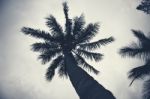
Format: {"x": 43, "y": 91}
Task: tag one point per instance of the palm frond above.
{"x": 80, "y": 60}
{"x": 51, "y": 70}
{"x": 54, "y": 26}
{"x": 140, "y": 35}
{"x": 89, "y": 55}
{"x": 68, "y": 23}
{"x": 79, "y": 23}
{"x": 46, "y": 56}
{"x": 96, "y": 44}
{"x": 144, "y": 6}
{"x": 143, "y": 40}
{"x": 63, "y": 70}
{"x": 146, "y": 90}
{"x": 37, "y": 33}
{"x": 44, "y": 46}
{"x": 68, "y": 28}
{"x": 88, "y": 33}
{"x": 135, "y": 51}
{"x": 139, "y": 72}
{"x": 50, "y": 74}
{"x": 66, "y": 9}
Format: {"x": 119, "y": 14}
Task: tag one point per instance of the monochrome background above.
{"x": 23, "y": 77}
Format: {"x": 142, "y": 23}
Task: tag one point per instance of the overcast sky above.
{"x": 23, "y": 77}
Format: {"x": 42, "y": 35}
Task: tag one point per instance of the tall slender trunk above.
{"x": 85, "y": 85}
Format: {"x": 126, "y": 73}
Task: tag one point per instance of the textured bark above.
{"x": 85, "y": 85}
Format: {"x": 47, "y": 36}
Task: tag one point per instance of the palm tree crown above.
{"x": 75, "y": 38}
{"x": 140, "y": 50}
{"x": 144, "y": 6}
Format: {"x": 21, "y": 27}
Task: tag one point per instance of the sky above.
{"x": 23, "y": 77}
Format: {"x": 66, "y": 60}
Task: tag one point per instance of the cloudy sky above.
{"x": 22, "y": 75}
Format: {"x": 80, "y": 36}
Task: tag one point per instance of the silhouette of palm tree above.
{"x": 140, "y": 50}
{"x": 68, "y": 49}
{"x": 144, "y": 6}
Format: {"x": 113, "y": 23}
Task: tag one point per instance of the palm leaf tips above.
{"x": 79, "y": 23}
{"x": 48, "y": 55}
{"x": 41, "y": 47}
{"x": 66, "y": 9}
{"x": 54, "y": 26}
{"x": 140, "y": 49}
{"x": 139, "y": 72}
{"x": 139, "y": 34}
{"x": 51, "y": 70}
{"x": 144, "y": 6}
{"x": 37, "y": 33}
{"x": 88, "y": 33}
{"x": 96, "y": 44}
{"x": 50, "y": 74}
{"x": 63, "y": 70}
{"x": 80, "y": 60}
{"x": 128, "y": 51}
{"x": 90, "y": 55}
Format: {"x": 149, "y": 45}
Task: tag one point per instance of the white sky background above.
{"x": 22, "y": 75}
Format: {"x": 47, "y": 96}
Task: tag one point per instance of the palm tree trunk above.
{"x": 85, "y": 85}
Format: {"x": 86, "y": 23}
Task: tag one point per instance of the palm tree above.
{"x": 144, "y": 6}
{"x": 67, "y": 50}
{"x": 140, "y": 50}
